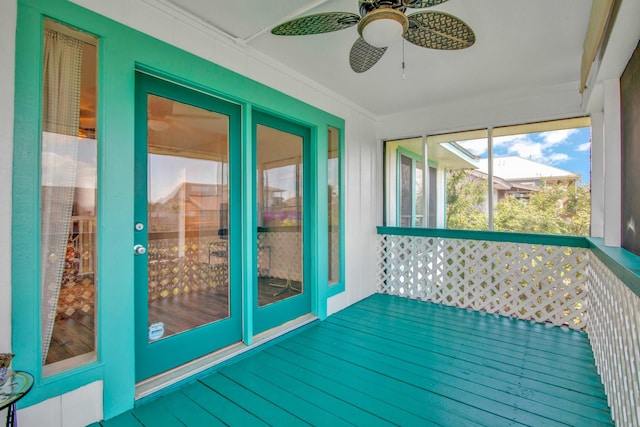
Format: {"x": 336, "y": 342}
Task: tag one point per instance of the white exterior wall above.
{"x": 363, "y": 213}
{"x": 597, "y": 169}
{"x": 612, "y": 164}
{"x": 77, "y": 408}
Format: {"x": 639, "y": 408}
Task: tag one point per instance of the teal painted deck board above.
{"x": 393, "y": 361}
{"x": 472, "y": 349}
{"x": 539, "y": 333}
{"x": 123, "y": 420}
{"x": 343, "y": 401}
{"x": 227, "y": 411}
{"x": 364, "y": 391}
{"x": 470, "y": 376}
{"x": 414, "y": 401}
{"x": 262, "y": 408}
{"x": 311, "y": 413}
{"x": 484, "y": 398}
{"x": 581, "y": 359}
{"x": 478, "y": 371}
{"x": 448, "y": 318}
{"x": 156, "y": 415}
{"x": 187, "y": 411}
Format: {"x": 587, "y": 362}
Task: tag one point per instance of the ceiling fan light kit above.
{"x": 380, "y": 23}
{"x": 381, "y": 27}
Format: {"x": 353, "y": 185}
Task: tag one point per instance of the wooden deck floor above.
{"x": 394, "y": 361}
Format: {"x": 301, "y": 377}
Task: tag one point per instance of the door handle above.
{"x": 139, "y": 250}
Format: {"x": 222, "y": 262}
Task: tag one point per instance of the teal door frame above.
{"x": 277, "y": 313}
{"x": 158, "y": 356}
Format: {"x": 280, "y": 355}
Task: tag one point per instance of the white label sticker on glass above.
{"x": 156, "y": 331}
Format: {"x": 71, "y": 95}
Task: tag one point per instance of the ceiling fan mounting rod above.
{"x": 368, "y": 6}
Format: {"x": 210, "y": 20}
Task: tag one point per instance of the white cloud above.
{"x": 475, "y": 146}
{"x": 555, "y": 158}
{"x": 557, "y": 136}
{"x": 552, "y": 148}
{"x": 511, "y": 139}
{"x": 526, "y": 149}
{"x": 584, "y": 147}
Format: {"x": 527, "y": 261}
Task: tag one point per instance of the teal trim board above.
{"x": 624, "y": 264}
{"x": 122, "y": 52}
{"x": 338, "y": 287}
{"x": 494, "y": 236}
{"x": 394, "y": 361}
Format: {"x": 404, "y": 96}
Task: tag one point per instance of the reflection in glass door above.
{"x": 185, "y": 303}
{"x": 188, "y": 202}
{"x": 280, "y": 218}
{"x": 281, "y": 188}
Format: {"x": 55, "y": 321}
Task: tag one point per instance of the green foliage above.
{"x": 465, "y": 195}
{"x": 553, "y": 209}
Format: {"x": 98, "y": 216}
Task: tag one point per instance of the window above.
{"x": 535, "y": 181}
{"x": 466, "y": 206}
{"x": 541, "y": 175}
{"x": 410, "y": 189}
{"x": 68, "y": 198}
{"x": 334, "y": 196}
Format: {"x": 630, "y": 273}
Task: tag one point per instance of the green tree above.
{"x": 555, "y": 209}
{"x": 466, "y": 194}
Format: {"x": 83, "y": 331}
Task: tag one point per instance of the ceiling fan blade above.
{"x": 438, "y": 30}
{"x": 420, "y": 4}
{"x": 317, "y": 24}
{"x": 364, "y": 56}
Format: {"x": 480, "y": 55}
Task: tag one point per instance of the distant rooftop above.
{"x": 514, "y": 168}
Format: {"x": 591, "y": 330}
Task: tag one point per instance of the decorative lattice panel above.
{"x": 614, "y": 332}
{"x": 533, "y": 282}
{"x": 173, "y": 273}
{"x": 334, "y": 256}
{"x": 280, "y": 255}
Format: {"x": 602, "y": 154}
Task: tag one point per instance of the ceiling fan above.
{"x": 382, "y": 21}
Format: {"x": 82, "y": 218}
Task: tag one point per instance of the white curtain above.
{"x": 61, "y": 120}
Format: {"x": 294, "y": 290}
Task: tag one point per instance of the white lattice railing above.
{"x": 280, "y": 254}
{"x": 533, "y": 282}
{"x": 562, "y": 285}
{"x": 614, "y": 332}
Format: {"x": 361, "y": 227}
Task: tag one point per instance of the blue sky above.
{"x": 568, "y": 149}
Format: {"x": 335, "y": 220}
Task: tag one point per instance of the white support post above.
{"x": 612, "y": 164}
{"x": 425, "y": 183}
{"x": 490, "y": 177}
{"x": 597, "y": 174}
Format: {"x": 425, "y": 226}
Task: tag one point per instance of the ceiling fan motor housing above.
{"x": 401, "y": 5}
{"x": 384, "y": 24}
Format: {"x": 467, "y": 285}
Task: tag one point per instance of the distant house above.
{"x": 519, "y": 177}
{"x": 202, "y": 206}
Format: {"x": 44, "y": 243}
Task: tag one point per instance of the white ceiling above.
{"x": 521, "y": 46}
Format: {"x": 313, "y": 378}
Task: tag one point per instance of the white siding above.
{"x": 77, "y": 408}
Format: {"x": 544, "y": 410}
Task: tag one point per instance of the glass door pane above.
{"x": 280, "y": 220}
{"x": 188, "y": 211}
